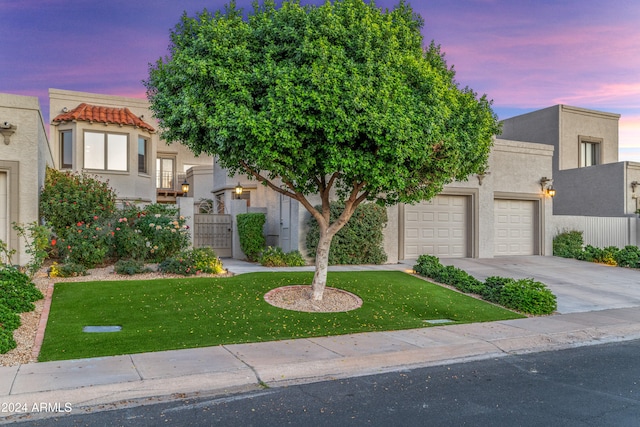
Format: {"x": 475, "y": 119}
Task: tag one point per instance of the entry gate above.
{"x": 213, "y": 231}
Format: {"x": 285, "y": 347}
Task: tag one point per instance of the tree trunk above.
{"x": 322, "y": 265}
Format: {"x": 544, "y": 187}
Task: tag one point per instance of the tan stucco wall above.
{"x": 129, "y": 185}
{"x": 24, "y": 161}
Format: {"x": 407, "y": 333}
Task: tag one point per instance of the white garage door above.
{"x": 515, "y": 227}
{"x": 4, "y": 208}
{"x": 437, "y": 227}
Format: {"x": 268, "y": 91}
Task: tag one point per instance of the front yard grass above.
{"x": 167, "y": 314}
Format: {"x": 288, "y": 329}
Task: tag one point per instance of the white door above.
{"x": 515, "y": 225}
{"x": 4, "y": 210}
{"x": 437, "y": 227}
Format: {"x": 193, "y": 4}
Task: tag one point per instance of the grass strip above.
{"x": 167, "y": 314}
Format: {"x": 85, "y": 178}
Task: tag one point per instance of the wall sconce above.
{"x": 545, "y": 185}
{"x": 238, "y": 190}
{"x": 185, "y": 188}
{"x": 7, "y": 129}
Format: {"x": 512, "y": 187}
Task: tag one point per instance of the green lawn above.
{"x": 165, "y": 314}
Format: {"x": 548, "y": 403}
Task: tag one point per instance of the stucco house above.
{"x": 24, "y": 156}
{"x": 587, "y": 175}
{"x": 116, "y": 139}
{"x": 504, "y": 212}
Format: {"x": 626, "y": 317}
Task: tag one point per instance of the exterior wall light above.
{"x": 551, "y": 191}
{"x": 545, "y": 185}
{"x": 185, "y": 188}
{"x": 7, "y": 129}
{"x": 238, "y": 190}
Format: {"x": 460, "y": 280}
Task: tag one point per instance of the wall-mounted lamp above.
{"x": 545, "y": 185}
{"x": 238, "y": 190}
{"x": 7, "y": 129}
{"x": 185, "y": 188}
{"x": 634, "y": 184}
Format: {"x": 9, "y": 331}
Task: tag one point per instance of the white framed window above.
{"x": 105, "y": 151}
{"x": 143, "y": 155}
{"x": 66, "y": 149}
{"x": 589, "y": 151}
{"x": 165, "y": 172}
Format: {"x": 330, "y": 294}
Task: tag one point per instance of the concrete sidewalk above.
{"x": 74, "y": 385}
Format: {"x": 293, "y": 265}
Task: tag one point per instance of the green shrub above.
{"x": 523, "y": 295}
{"x": 360, "y": 241}
{"x": 205, "y": 260}
{"x": 7, "y": 343}
{"x": 628, "y": 257}
{"x": 187, "y": 263}
{"x": 69, "y": 198}
{"x": 528, "y": 296}
{"x": 275, "y": 257}
{"x": 250, "y": 232}
{"x": 85, "y": 243}
{"x": 130, "y": 267}
{"x": 9, "y": 319}
{"x": 600, "y": 255}
{"x": 67, "y": 269}
{"x": 568, "y": 244}
{"x": 165, "y": 233}
{"x": 17, "y": 292}
{"x": 493, "y": 288}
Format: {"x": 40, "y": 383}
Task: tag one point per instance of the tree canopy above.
{"x": 340, "y": 97}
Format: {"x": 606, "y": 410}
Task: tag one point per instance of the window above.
{"x": 589, "y": 152}
{"x": 105, "y": 151}
{"x": 66, "y": 149}
{"x": 165, "y": 171}
{"x": 143, "y": 155}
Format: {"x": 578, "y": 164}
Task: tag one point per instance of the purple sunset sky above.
{"x": 524, "y": 55}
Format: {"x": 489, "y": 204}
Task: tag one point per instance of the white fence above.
{"x": 600, "y": 231}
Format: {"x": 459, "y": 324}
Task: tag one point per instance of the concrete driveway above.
{"x": 580, "y": 286}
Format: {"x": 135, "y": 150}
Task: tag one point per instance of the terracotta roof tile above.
{"x": 109, "y": 115}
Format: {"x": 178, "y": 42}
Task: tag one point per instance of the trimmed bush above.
{"x": 17, "y": 292}
{"x": 275, "y": 257}
{"x": 528, "y": 296}
{"x": 250, "y": 232}
{"x": 9, "y": 319}
{"x": 599, "y": 255}
{"x": 67, "y": 269}
{"x": 360, "y": 241}
{"x": 628, "y": 257}
{"x": 130, "y": 267}
{"x": 7, "y": 343}
{"x": 568, "y": 244}
{"x": 187, "y": 263}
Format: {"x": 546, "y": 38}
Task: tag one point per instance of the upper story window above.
{"x": 165, "y": 171}
{"x": 105, "y": 151}
{"x": 589, "y": 151}
{"x": 66, "y": 149}
{"x": 143, "y": 155}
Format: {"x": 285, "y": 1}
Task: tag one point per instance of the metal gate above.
{"x": 213, "y": 231}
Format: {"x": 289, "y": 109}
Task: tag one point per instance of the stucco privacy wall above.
{"x": 22, "y": 164}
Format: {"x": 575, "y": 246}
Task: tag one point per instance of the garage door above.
{"x": 515, "y": 225}
{"x": 4, "y": 208}
{"x": 437, "y": 227}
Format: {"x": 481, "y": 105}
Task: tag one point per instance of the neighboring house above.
{"x": 587, "y": 176}
{"x": 504, "y": 212}
{"x": 116, "y": 139}
{"x": 24, "y": 155}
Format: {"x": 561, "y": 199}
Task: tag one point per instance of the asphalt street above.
{"x": 587, "y": 386}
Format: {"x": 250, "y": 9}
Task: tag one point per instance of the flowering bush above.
{"x": 68, "y": 198}
{"x": 86, "y": 243}
{"x": 165, "y": 233}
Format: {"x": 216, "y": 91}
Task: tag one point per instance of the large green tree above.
{"x": 340, "y": 100}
